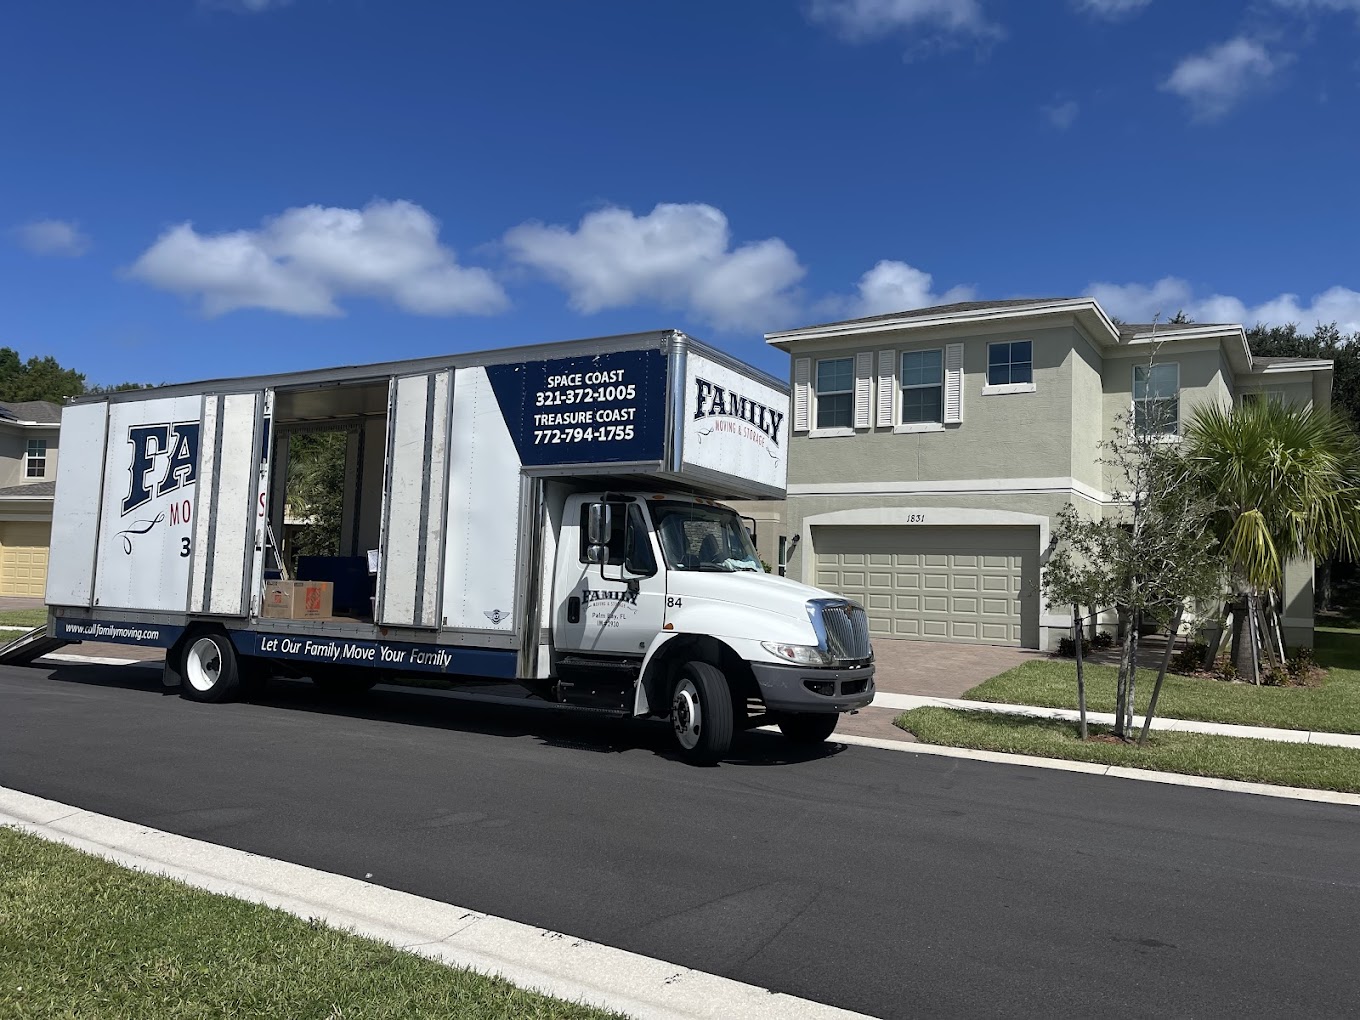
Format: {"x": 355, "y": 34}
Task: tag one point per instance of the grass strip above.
{"x": 83, "y": 938}
{"x": 1314, "y": 766}
{"x": 23, "y": 617}
{"x": 1333, "y": 707}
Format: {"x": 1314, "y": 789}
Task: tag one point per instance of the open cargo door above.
{"x": 412, "y": 549}
{"x": 232, "y": 467}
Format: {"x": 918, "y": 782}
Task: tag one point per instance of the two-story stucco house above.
{"x": 931, "y": 450}
{"x": 28, "y": 472}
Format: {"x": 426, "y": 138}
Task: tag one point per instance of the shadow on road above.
{"x": 525, "y": 716}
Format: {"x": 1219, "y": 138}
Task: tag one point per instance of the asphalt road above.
{"x": 890, "y": 883}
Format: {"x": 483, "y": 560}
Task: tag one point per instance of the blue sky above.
{"x": 197, "y": 189}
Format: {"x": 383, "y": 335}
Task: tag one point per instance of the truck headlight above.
{"x": 803, "y": 655}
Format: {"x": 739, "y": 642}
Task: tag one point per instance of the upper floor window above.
{"x": 1157, "y": 398}
{"x": 35, "y": 459}
{"x": 1010, "y": 363}
{"x": 1252, "y": 396}
{"x": 922, "y": 386}
{"x": 836, "y": 393}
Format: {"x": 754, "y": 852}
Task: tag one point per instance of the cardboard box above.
{"x": 297, "y": 600}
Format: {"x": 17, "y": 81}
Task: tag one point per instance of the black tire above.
{"x": 808, "y": 727}
{"x": 343, "y": 682}
{"x": 706, "y": 740}
{"x": 208, "y": 667}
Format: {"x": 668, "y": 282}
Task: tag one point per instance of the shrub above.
{"x": 1067, "y": 648}
{"x": 1301, "y": 663}
{"x": 1103, "y": 640}
{"x": 1228, "y": 672}
{"x": 1189, "y": 660}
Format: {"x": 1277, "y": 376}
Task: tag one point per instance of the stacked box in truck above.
{"x": 481, "y": 488}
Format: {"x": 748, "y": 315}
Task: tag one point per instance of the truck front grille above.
{"x": 847, "y": 632}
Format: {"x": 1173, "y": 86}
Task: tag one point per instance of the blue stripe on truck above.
{"x": 399, "y": 656}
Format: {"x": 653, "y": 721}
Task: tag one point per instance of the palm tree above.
{"x": 1287, "y": 481}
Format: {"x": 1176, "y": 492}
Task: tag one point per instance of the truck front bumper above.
{"x": 805, "y": 689}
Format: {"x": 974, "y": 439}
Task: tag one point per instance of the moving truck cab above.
{"x": 671, "y": 589}
{"x": 548, "y": 516}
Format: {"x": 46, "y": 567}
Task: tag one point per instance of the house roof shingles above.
{"x": 44, "y": 412}
{"x": 35, "y": 490}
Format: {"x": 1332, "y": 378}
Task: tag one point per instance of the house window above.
{"x": 1254, "y": 396}
{"x": 835, "y": 393}
{"x": 1010, "y": 363}
{"x": 922, "y": 386}
{"x": 36, "y": 459}
{"x": 1157, "y": 399}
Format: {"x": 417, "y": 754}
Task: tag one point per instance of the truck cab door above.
{"x": 616, "y": 606}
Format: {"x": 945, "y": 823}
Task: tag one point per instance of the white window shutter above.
{"x": 887, "y": 385}
{"x": 864, "y": 389}
{"x": 802, "y": 403}
{"x": 953, "y": 384}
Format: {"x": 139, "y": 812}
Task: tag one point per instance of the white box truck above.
{"x": 542, "y": 515}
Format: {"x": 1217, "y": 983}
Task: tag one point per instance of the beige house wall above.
{"x": 13, "y": 450}
{"x": 1012, "y": 435}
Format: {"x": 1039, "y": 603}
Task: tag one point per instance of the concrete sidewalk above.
{"x": 904, "y": 702}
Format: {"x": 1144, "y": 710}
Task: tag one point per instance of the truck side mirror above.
{"x": 599, "y": 525}
{"x": 597, "y": 554}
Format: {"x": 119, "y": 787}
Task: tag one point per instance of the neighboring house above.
{"x": 931, "y": 450}
{"x": 28, "y": 471}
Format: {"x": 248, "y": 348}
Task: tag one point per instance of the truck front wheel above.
{"x": 701, "y": 713}
{"x": 808, "y": 727}
{"x": 209, "y": 668}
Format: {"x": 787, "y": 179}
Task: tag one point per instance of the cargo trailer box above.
{"x": 479, "y": 526}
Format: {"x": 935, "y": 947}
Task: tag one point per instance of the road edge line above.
{"x": 553, "y": 963}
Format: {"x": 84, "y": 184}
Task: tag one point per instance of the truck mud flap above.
{"x": 33, "y": 645}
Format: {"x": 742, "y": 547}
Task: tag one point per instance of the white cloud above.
{"x": 678, "y": 255}
{"x": 891, "y": 286}
{"x": 862, "y": 20}
{"x": 52, "y": 237}
{"x": 1136, "y": 302}
{"x": 1320, "y": 5}
{"x": 305, "y": 260}
{"x": 1214, "y": 81}
{"x": 1111, "y": 9}
{"x": 1061, "y": 115}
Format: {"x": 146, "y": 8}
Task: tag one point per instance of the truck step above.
{"x": 629, "y": 667}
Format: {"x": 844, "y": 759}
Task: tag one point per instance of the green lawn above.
{"x": 83, "y": 938}
{"x": 23, "y": 617}
{"x": 1259, "y": 761}
{"x": 1333, "y": 708}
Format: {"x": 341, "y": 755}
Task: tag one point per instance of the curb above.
{"x": 1117, "y": 771}
{"x": 532, "y": 958}
{"x": 906, "y": 702}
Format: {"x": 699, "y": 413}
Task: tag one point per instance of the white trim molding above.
{"x": 918, "y": 426}
{"x": 1018, "y": 387}
{"x": 976, "y": 486}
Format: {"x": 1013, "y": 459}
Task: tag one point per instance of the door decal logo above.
{"x": 495, "y": 615}
{"x": 622, "y": 598}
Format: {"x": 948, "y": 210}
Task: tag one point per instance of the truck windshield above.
{"x": 697, "y": 537}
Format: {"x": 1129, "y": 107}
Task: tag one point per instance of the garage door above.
{"x": 936, "y": 583}
{"x": 23, "y": 558}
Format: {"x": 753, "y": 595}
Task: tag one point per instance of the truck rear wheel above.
{"x": 701, "y": 713}
{"x": 808, "y": 727}
{"x": 209, "y": 668}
